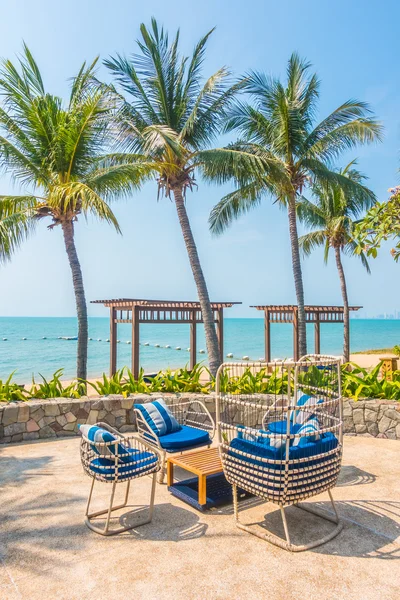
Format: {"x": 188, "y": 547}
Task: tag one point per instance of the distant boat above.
{"x": 66, "y": 337}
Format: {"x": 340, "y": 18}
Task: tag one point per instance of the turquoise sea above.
{"x": 242, "y": 337}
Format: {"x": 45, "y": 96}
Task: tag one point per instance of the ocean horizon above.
{"x": 43, "y": 352}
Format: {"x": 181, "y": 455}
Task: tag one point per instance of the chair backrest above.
{"x": 192, "y": 413}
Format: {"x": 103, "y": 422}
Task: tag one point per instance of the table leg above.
{"x": 170, "y": 473}
{"x": 202, "y": 490}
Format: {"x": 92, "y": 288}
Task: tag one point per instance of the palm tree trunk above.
{"x": 298, "y": 278}
{"x": 81, "y": 309}
{"x": 346, "y": 313}
{"x": 208, "y": 315}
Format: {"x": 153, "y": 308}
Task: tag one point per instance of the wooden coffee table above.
{"x": 201, "y": 463}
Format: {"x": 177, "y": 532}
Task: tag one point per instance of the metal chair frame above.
{"x": 87, "y": 455}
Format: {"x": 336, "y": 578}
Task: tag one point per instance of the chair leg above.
{"x": 235, "y": 503}
{"x": 286, "y": 544}
{"x": 106, "y": 529}
{"x": 163, "y": 470}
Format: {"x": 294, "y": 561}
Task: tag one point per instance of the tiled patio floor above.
{"x": 47, "y": 553}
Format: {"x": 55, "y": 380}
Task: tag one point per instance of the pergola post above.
{"x": 135, "y": 341}
{"x": 295, "y": 334}
{"x": 113, "y": 341}
{"x": 193, "y": 339}
{"x": 267, "y": 334}
{"x": 220, "y": 333}
{"x": 317, "y": 335}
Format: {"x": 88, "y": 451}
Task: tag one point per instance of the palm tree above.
{"x": 333, "y": 216}
{"x": 281, "y": 123}
{"x": 58, "y": 153}
{"x": 171, "y": 120}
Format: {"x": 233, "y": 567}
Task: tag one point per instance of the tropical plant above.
{"x": 55, "y": 388}
{"x": 332, "y": 217}
{"x": 170, "y": 121}
{"x": 356, "y": 382}
{"x": 297, "y": 153}
{"x": 381, "y": 223}
{"x": 58, "y": 152}
{"x": 361, "y": 383}
{"x": 115, "y": 384}
{"x": 10, "y": 391}
{"x": 182, "y": 380}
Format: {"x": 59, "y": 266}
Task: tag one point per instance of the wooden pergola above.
{"x": 289, "y": 314}
{"x": 127, "y": 310}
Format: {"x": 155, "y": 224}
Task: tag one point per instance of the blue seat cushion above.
{"x": 326, "y": 443}
{"x": 137, "y": 463}
{"x": 186, "y": 437}
{"x": 259, "y": 448}
{"x": 280, "y": 427}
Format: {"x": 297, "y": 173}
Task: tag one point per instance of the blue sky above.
{"x": 354, "y": 48}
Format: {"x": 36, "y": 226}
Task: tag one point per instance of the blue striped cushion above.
{"x": 300, "y": 416}
{"x": 311, "y": 426}
{"x": 137, "y": 462}
{"x": 101, "y": 436}
{"x": 159, "y": 417}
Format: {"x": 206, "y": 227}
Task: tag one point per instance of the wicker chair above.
{"x": 118, "y": 460}
{"x": 192, "y": 416}
{"x": 284, "y": 445}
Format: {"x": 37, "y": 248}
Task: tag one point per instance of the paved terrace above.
{"x": 48, "y": 553}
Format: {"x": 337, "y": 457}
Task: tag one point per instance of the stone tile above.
{"x": 37, "y": 414}
{"x": 23, "y": 413}
{"x": 32, "y": 426}
{"x": 14, "y": 428}
{"x": 33, "y": 435}
{"x": 51, "y": 409}
{"x": 71, "y": 418}
{"x": 61, "y": 420}
{"x": 10, "y": 414}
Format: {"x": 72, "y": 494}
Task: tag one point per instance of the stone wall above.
{"x": 58, "y": 417}
{"x": 376, "y": 418}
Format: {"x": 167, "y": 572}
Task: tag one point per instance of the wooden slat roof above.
{"x": 308, "y": 308}
{"x": 162, "y": 304}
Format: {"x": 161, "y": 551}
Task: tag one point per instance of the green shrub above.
{"x": 357, "y": 382}
{"x": 10, "y": 391}
{"x": 54, "y": 388}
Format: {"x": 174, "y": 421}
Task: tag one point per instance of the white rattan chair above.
{"x": 284, "y": 445}
{"x": 117, "y": 461}
{"x": 191, "y": 415}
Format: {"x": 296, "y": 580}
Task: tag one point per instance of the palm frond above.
{"x": 312, "y": 240}
{"x": 233, "y": 205}
{"x": 16, "y": 223}
{"x": 76, "y": 197}
{"x": 242, "y": 163}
